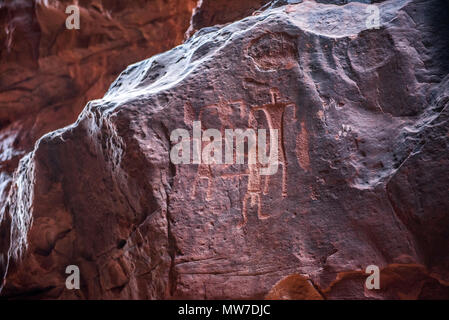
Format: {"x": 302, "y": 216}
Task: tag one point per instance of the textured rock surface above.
{"x": 48, "y": 73}
{"x": 215, "y": 12}
{"x": 363, "y": 180}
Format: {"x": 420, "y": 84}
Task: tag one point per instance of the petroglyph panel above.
{"x": 270, "y": 116}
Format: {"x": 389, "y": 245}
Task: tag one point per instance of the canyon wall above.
{"x": 48, "y": 73}
{"x": 362, "y": 149}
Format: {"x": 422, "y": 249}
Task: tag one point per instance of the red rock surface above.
{"x": 219, "y": 12}
{"x": 48, "y": 73}
{"x": 397, "y": 281}
{"x": 364, "y": 136}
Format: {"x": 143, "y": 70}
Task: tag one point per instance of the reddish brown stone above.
{"x": 218, "y": 12}
{"x": 362, "y": 116}
{"x": 397, "y": 281}
{"x": 48, "y": 73}
{"x": 294, "y": 287}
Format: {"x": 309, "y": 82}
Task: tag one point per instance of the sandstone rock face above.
{"x": 214, "y": 12}
{"x": 362, "y": 180}
{"x": 48, "y": 73}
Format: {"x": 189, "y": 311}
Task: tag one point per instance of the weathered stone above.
{"x": 48, "y": 73}
{"x": 217, "y": 12}
{"x": 362, "y": 117}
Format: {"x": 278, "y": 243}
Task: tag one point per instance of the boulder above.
{"x": 361, "y": 115}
